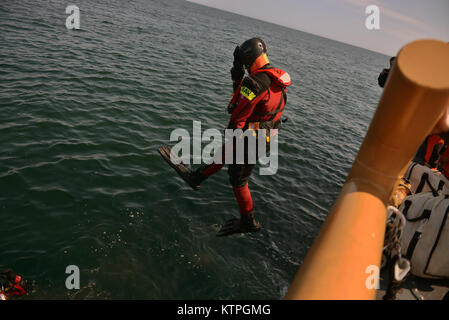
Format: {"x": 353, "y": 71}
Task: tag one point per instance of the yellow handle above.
{"x": 351, "y": 240}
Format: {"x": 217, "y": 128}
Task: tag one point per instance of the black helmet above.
{"x": 250, "y": 50}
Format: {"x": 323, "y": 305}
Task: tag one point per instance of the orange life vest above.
{"x": 270, "y": 109}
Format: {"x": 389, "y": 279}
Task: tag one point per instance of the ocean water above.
{"x": 82, "y": 113}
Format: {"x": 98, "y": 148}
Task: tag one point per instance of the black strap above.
{"x": 440, "y": 185}
{"x": 435, "y": 244}
{"x": 412, "y": 245}
{"x": 411, "y": 171}
{"x": 422, "y": 182}
{"x": 434, "y": 192}
{"x": 407, "y": 204}
{"x": 425, "y": 215}
{"x": 279, "y": 108}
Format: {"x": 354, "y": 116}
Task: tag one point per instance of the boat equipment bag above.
{"x": 425, "y": 236}
{"x": 424, "y": 179}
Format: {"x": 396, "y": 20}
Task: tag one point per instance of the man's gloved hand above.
{"x": 231, "y": 107}
{"x": 237, "y": 61}
{"x": 237, "y": 71}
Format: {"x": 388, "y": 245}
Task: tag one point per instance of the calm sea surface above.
{"x": 82, "y": 113}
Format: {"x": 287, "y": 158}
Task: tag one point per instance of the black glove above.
{"x": 231, "y": 107}
{"x": 238, "y": 65}
{"x": 237, "y": 71}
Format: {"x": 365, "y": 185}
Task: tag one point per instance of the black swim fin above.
{"x": 246, "y": 223}
{"x": 192, "y": 179}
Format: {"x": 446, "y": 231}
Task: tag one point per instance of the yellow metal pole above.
{"x": 351, "y": 240}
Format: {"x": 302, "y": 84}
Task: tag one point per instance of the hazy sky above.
{"x": 401, "y": 21}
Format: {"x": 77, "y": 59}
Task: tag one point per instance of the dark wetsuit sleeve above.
{"x": 435, "y": 156}
{"x": 420, "y": 156}
{"x": 434, "y": 149}
{"x": 236, "y": 82}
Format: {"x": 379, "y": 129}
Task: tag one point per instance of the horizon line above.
{"x": 291, "y": 28}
